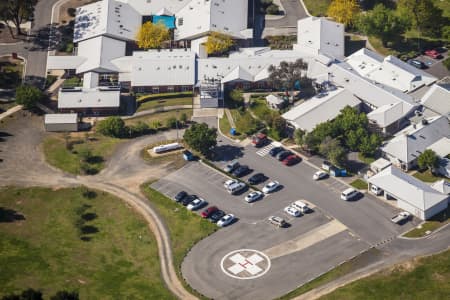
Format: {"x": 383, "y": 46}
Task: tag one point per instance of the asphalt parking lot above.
{"x": 314, "y": 243}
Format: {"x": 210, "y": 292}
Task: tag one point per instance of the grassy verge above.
{"x": 186, "y": 228}
{"x": 317, "y": 7}
{"x": 366, "y": 159}
{"x": 160, "y": 118}
{"x": 63, "y": 152}
{"x": 356, "y": 263}
{"x": 424, "y": 278}
{"x": 172, "y": 160}
{"x": 72, "y": 239}
{"x": 426, "y": 176}
{"x": 225, "y": 126}
{"x": 359, "y": 184}
{"x": 431, "y": 225}
{"x": 158, "y": 103}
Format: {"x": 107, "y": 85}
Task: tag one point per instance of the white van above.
{"x": 302, "y": 206}
{"x": 375, "y": 190}
{"x": 349, "y": 194}
{"x": 235, "y": 188}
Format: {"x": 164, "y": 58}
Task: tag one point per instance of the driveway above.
{"x": 294, "y": 12}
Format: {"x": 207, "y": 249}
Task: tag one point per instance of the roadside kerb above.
{"x": 305, "y": 8}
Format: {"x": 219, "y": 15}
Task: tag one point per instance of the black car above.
{"x": 241, "y": 171}
{"x": 180, "y": 196}
{"x": 257, "y": 178}
{"x": 417, "y": 63}
{"x": 283, "y": 154}
{"x": 188, "y": 199}
{"x": 275, "y": 151}
{"x": 216, "y": 216}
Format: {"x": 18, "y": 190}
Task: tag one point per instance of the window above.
{"x": 155, "y": 90}
{"x": 170, "y": 89}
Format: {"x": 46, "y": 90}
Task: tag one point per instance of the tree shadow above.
{"x": 89, "y": 216}
{"x": 96, "y": 159}
{"x": 226, "y": 152}
{"x": 89, "y": 229}
{"x": 9, "y": 215}
{"x": 89, "y": 195}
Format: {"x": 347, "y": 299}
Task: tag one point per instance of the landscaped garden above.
{"x": 155, "y": 101}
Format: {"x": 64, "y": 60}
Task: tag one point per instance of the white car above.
{"x": 270, "y": 187}
{"x": 196, "y": 204}
{"x": 229, "y": 183}
{"x": 320, "y": 175}
{"x": 401, "y": 217}
{"x": 290, "y": 210}
{"x": 253, "y": 196}
{"x": 225, "y": 220}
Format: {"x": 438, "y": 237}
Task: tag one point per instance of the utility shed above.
{"x": 61, "y": 122}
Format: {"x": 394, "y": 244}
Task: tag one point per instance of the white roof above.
{"x": 442, "y": 186}
{"x": 165, "y": 67}
{"x": 274, "y": 99}
{"x": 441, "y": 147}
{"x": 153, "y": 7}
{"x": 407, "y": 188}
{"x": 388, "y": 113}
{"x": 89, "y": 98}
{"x": 437, "y": 99}
{"x": 64, "y": 62}
{"x": 314, "y": 111}
{"x": 61, "y": 119}
{"x": 99, "y": 52}
{"x": 389, "y": 71}
{"x": 408, "y": 144}
{"x": 380, "y": 164}
{"x": 107, "y": 17}
{"x": 201, "y": 17}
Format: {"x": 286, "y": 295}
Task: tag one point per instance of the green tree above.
{"x": 201, "y": 138}
{"x": 288, "y": 74}
{"x": 426, "y": 17}
{"x": 140, "y": 128}
{"x": 354, "y": 138}
{"x": 112, "y": 126}
{"x": 183, "y": 118}
{"x": 28, "y": 294}
{"x": 151, "y": 35}
{"x": 327, "y": 145}
{"x": 383, "y": 23}
{"x": 218, "y": 43}
{"x": 278, "y": 127}
{"x": 273, "y": 9}
{"x": 446, "y": 63}
{"x": 344, "y": 11}
{"x": 171, "y": 122}
{"x": 338, "y": 156}
{"x": 236, "y": 95}
{"x": 28, "y": 96}
{"x": 17, "y": 12}
{"x": 428, "y": 160}
{"x": 369, "y": 144}
{"x": 299, "y": 136}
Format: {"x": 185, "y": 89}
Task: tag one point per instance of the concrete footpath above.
{"x": 10, "y": 111}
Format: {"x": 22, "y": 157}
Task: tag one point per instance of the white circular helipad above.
{"x": 245, "y": 264}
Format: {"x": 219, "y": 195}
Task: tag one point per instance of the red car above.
{"x": 259, "y": 139}
{"x": 209, "y": 211}
{"x": 291, "y": 160}
{"x": 433, "y": 54}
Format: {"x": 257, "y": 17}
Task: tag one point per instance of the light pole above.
{"x": 176, "y": 123}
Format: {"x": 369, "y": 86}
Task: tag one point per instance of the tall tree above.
{"x": 17, "y": 11}
{"x": 344, "y": 11}
{"x": 151, "y": 35}
{"x": 288, "y": 74}
{"x": 28, "y": 96}
{"x": 383, "y": 23}
{"x": 112, "y": 126}
{"x": 426, "y": 17}
{"x": 201, "y": 138}
{"x": 218, "y": 43}
{"x": 428, "y": 159}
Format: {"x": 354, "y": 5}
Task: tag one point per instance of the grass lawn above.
{"x": 186, "y": 228}
{"x": 157, "y": 103}
{"x": 224, "y": 125}
{"x": 424, "y": 278}
{"x": 317, "y": 7}
{"x": 434, "y": 223}
{"x": 426, "y": 176}
{"x": 366, "y": 159}
{"x": 160, "y": 117}
{"x": 69, "y": 161}
{"x": 260, "y": 109}
{"x": 245, "y": 123}
{"x": 70, "y": 240}
{"x": 359, "y": 184}
{"x": 344, "y": 269}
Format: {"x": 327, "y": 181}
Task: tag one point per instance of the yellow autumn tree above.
{"x": 344, "y": 11}
{"x": 218, "y": 43}
{"x": 151, "y": 35}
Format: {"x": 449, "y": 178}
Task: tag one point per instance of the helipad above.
{"x": 245, "y": 264}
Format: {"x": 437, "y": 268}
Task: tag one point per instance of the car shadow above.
{"x": 356, "y": 198}
{"x": 243, "y": 191}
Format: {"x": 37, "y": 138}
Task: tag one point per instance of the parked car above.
{"x": 349, "y": 194}
{"x": 259, "y": 139}
{"x": 401, "y": 217}
{"x": 257, "y": 178}
{"x": 241, "y": 171}
{"x": 180, "y": 196}
{"x": 196, "y": 204}
{"x": 187, "y": 155}
{"x": 283, "y": 154}
{"x": 433, "y": 54}
{"x": 277, "y": 221}
{"x": 217, "y": 215}
{"x": 320, "y": 175}
{"x": 236, "y": 188}
{"x": 188, "y": 199}
{"x": 291, "y": 160}
{"x": 375, "y": 190}
{"x": 274, "y": 151}
{"x": 326, "y": 165}
{"x": 417, "y": 63}
{"x": 226, "y": 220}
{"x": 209, "y": 211}
{"x": 231, "y": 166}
{"x": 253, "y": 196}
{"x": 229, "y": 183}
{"x": 291, "y": 210}
{"x": 270, "y": 187}
{"x": 301, "y": 206}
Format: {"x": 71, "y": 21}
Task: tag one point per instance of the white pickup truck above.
{"x": 401, "y": 217}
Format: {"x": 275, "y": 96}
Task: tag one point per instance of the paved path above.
{"x": 10, "y": 111}
{"x": 230, "y": 118}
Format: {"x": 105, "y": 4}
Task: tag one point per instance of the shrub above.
{"x": 28, "y": 96}
{"x": 446, "y": 63}
{"x": 273, "y": 9}
{"x": 112, "y": 126}
{"x": 71, "y": 12}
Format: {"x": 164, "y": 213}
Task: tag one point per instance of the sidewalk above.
{"x": 10, "y": 111}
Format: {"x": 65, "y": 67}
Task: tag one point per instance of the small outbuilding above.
{"x": 275, "y": 102}
{"x": 61, "y": 122}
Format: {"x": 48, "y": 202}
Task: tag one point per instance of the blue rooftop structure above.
{"x": 168, "y": 21}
